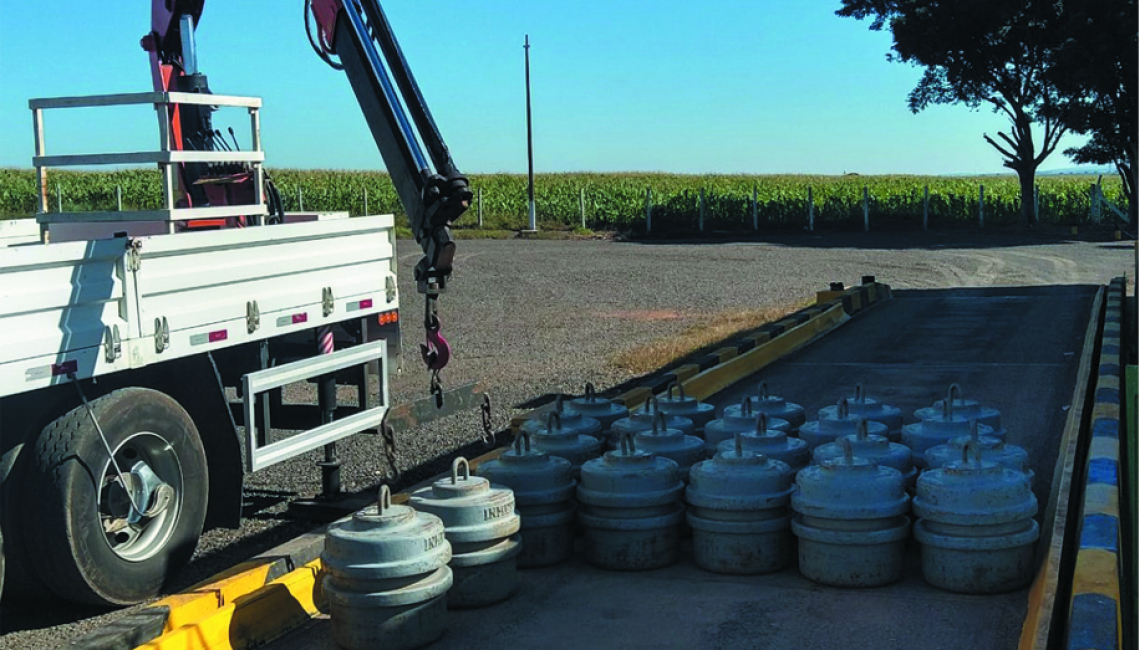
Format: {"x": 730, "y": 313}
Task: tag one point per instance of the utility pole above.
{"x": 529, "y": 142}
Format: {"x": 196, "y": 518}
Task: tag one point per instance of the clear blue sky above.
{"x": 754, "y": 86}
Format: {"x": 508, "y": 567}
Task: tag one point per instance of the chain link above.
{"x": 388, "y": 434}
{"x": 488, "y": 430}
{"x": 436, "y": 389}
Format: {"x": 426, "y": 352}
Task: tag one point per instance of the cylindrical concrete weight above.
{"x": 837, "y": 422}
{"x": 643, "y": 419}
{"x": 386, "y": 577}
{"x": 677, "y": 403}
{"x": 860, "y": 405}
{"x": 746, "y": 548}
{"x": 481, "y": 524}
{"x": 605, "y": 411}
{"x": 544, "y": 487}
{"x": 630, "y": 509}
{"x": 485, "y": 577}
{"x": 971, "y": 568}
{"x": 774, "y": 407}
{"x": 632, "y": 545}
{"x": 402, "y": 627}
{"x": 852, "y": 559}
{"x": 976, "y": 530}
{"x": 570, "y": 421}
{"x": 741, "y": 419}
{"x": 968, "y": 408}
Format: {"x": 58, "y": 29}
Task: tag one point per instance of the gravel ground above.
{"x": 531, "y": 318}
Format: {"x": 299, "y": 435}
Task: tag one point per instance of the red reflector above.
{"x": 64, "y": 368}
{"x": 366, "y": 304}
{"x": 219, "y": 335}
{"x": 300, "y": 318}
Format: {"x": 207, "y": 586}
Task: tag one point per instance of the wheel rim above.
{"x": 133, "y": 536}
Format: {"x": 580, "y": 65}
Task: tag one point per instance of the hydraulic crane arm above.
{"x": 433, "y": 191}
{"x": 357, "y": 33}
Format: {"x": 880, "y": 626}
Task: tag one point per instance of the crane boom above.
{"x": 356, "y": 37}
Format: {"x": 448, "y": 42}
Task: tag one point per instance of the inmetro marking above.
{"x": 495, "y": 512}
{"x": 433, "y": 542}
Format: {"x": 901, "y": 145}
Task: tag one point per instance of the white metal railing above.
{"x": 256, "y": 383}
{"x": 166, "y": 157}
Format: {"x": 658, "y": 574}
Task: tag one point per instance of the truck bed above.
{"x": 101, "y": 306}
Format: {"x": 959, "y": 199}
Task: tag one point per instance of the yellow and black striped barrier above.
{"x": 1094, "y": 614}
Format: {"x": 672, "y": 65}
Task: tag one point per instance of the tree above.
{"x": 980, "y": 52}
{"x": 1094, "y": 70}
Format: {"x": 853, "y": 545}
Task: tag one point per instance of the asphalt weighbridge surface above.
{"x": 1016, "y": 349}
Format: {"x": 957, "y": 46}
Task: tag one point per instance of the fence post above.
{"x": 648, "y": 210}
{"x": 582, "y": 205}
{"x": 701, "y": 216}
{"x": 866, "y": 211}
{"x": 366, "y": 201}
{"x": 981, "y": 205}
{"x": 480, "y": 203}
{"x": 300, "y": 201}
{"x": 755, "y": 209}
{"x": 119, "y": 197}
{"x": 925, "y": 205}
{"x": 1036, "y": 203}
{"x": 1094, "y": 205}
{"x": 59, "y": 198}
{"x": 811, "y": 211}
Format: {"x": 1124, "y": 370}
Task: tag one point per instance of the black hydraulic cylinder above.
{"x": 330, "y": 466}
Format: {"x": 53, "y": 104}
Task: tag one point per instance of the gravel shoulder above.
{"x": 533, "y": 318}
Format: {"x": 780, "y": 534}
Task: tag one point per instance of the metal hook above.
{"x": 848, "y": 454}
{"x": 551, "y": 418}
{"x": 520, "y": 439}
{"x": 384, "y": 503}
{"x": 679, "y": 388}
{"x": 952, "y": 391}
{"x": 455, "y": 470}
{"x": 761, "y": 423}
{"x": 436, "y": 353}
{"x": 745, "y": 406}
{"x": 627, "y": 445}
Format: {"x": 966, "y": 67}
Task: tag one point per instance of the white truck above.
{"x": 128, "y": 338}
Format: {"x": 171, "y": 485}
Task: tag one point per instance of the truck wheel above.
{"x": 90, "y": 543}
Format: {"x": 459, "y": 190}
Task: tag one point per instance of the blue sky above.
{"x": 759, "y": 86}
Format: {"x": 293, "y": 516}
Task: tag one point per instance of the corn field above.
{"x": 617, "y": 201}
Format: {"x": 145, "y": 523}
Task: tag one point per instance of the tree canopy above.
{"x": 1094, "y": 71}
{"x": 981, "y": 52}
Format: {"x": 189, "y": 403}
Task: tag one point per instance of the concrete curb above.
{"x": 1041, "y": 620}
{"x": 1094, "y": 616}
{"x": 279, "y": 590}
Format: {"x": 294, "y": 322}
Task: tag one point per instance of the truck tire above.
{"x": 87, "y": 542}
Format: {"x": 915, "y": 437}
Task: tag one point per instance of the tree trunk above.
{"x": 1025, "y": 175}
{"x": 1127, "y": 171}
